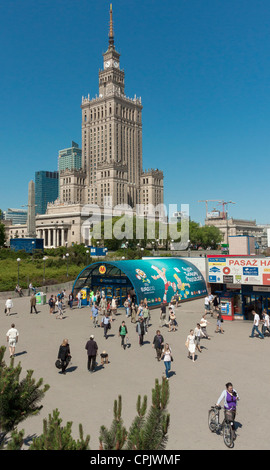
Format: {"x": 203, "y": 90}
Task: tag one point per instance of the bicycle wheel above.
{"x": 212, "y": 420}
{"x": 228, "y": 435}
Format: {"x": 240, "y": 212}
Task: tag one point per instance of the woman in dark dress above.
{"x": 64, "y": 355}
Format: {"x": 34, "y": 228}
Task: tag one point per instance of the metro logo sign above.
{"x": 102, "y": 269}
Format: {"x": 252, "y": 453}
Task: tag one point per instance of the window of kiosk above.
{"x": 117, "y": 293}
{"x": 123, "y": 295}
{"x": 109, "y": 292}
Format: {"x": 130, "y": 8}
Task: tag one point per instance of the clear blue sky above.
{"x": 201, "y": 67}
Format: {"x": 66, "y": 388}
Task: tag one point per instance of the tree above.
{"x": 57, "y": 437}
{"x": 2, "y": 234}
{"x": 146, "y": 432}
{"x": 18, "y": 398}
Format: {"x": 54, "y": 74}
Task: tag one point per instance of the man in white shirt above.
{"x": 12, "y": 339}
{"x": 207, "y": 304}
{"x": 266, "y": 325}
{"x": 255, "y": 327}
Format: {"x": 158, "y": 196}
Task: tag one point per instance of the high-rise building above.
{"x": 112, "y": 140}
{"x": 17, "y": 216}
{"x": 46, "y": 189}
{"x": 111, "y": 170}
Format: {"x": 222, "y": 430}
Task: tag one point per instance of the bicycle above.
{"x": 225, "y": 427}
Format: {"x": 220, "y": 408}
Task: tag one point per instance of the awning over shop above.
{"x": 154, "y": 279}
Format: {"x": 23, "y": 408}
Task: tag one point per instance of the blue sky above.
{"x": 200, "y": 66}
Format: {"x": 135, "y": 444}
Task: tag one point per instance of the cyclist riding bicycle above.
{"x": 230, "y": 397}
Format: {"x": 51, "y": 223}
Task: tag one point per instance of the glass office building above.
{"x": 46, "y": 189}
{"x": 70, "y": 158}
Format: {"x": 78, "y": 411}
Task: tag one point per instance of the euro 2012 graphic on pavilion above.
{"x": 169, "y": 277}
{"x": 154, "y": 279}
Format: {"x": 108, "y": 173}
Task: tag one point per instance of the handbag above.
{"x": 186, "y": 344}
{"x": 58, "y": 364}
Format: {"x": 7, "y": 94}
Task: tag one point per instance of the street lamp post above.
{"x": 44, "y": 259}
{"x": 67, "y": 255}
{"x": 87, "y": 258}
{"x": 18, "y": 260}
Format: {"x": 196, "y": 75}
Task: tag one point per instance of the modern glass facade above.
{"x": 46, "y": 189}
{"x": 70, "y": 158}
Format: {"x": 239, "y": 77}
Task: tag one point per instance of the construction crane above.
{"x": 225, "y": 204}
{"x": 206, "y": 203}
{"x": 221, "y": 202}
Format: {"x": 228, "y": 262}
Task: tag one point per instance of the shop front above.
{"x": 243, "y": 282}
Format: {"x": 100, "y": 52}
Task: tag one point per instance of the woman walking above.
{"x": 64, "y": 355}
{"x": 191, "y": 345}
{"x": 8, "y": 306}
{"x": 122, "y": 333}
{"x": 167, "y": 357}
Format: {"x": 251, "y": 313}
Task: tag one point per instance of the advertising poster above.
{"x": 159, "y": 280}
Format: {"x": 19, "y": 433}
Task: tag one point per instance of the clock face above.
{"x": 116, "y": 64}
{"x": 107, "y": 64}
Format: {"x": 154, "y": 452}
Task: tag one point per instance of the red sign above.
{"x": 266, "y": 279}
{"x": 226, "y": 270}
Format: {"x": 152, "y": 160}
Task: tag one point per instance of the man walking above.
{"x": 95, "y": 315}
{"x": 158, "y": 344}
{"x": 255, "y": 327}
{"x": 106, "y": 322}
{"x": 92, "y": 349}
{"x": 12, "y": 339}
{"x": 33, "y": 302}
{"x": 140, "y": 330}
{"x": 122, "y": 333}
{"x": 8, "y": 306}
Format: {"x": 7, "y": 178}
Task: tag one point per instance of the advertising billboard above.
{"x": 236, "y": 270}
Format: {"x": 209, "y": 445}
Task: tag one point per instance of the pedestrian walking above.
{"x": 265, "y": 319}
{"x": 255, "y": 327}
{"x": 191, "y": 345}
{"x": 51, "y": 303}
{"x": 12, "y": 339}
{"x": 172, "y": 320}
{"x": 106, "y": 323}
{"x": 64, "y": 355}
{"x": 133, "y": 313}
{"x": 70, "y": 300}
{"x": 114, "y": 307}
{"x": 207, "y": 304}
{"x": 204, "y": 324}
{"x": 219, "y": 328}
{"x": 127, "y": 307}
{"x": 8, "y": 306}
{"x": 166, "y": 355}
{"x": 146, "y": 317}
{"x": 140, "y": 330}
{"x": 79, "y": 297}
{"x": 60, "y": 310}
{"x": 158, "y": 343}
{"x": 198, "y": 335}
{"x": 123, "y": 333}
{"x": 162, "y": 318}
{"x": 92, "y": 349}
{"x": 103, "y": 305}
{"x": 33, "y": 302}
{"x": 94, "y": 315}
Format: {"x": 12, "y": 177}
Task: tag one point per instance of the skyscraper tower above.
{"x": 112, "y": 136}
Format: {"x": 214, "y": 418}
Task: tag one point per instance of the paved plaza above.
{"x": 87, "y": 398}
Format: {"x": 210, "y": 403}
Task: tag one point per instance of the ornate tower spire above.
{"x": 111, "y": 33}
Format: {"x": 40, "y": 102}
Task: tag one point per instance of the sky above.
{"x": 201, "y": 68}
